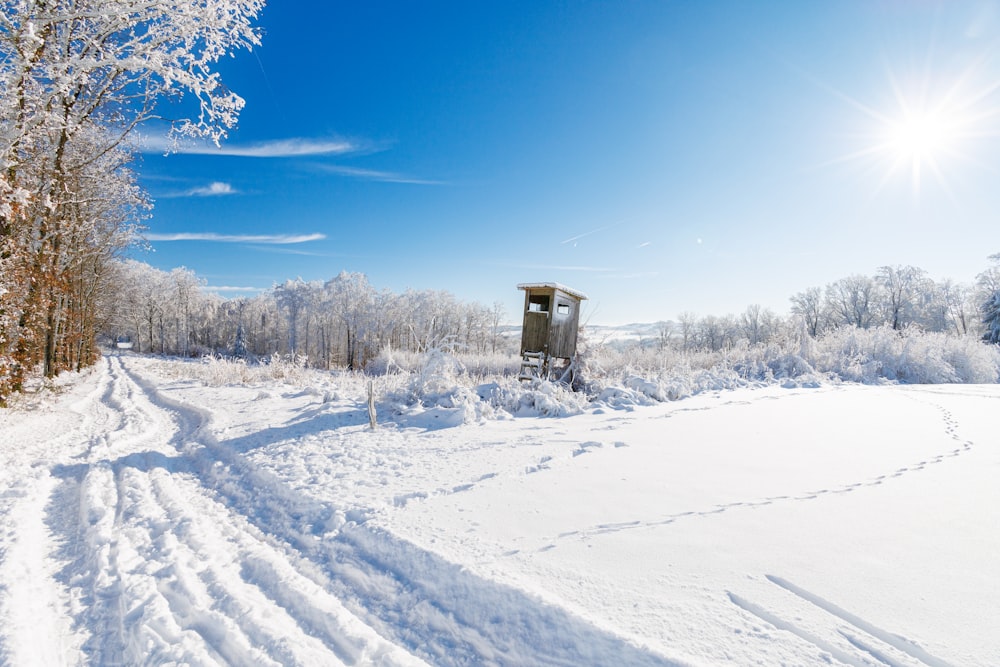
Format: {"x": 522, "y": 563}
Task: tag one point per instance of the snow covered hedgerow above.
{"x": 883, "y": 354}
{"x": 973, "y": 362}
{"x": 848, "y": 353}
{"x": 482, "y": 366}
{"x": 673, "y": 385}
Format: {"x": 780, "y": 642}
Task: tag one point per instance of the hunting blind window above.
{"x": 538, "y": 303}
{"x": 562, "y": 309}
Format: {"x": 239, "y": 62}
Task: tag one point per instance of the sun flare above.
{"x": 919, "y": 137}
{"x": 928, "y": 131}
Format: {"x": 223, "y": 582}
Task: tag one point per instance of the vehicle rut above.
{"x": 178, "y": 549}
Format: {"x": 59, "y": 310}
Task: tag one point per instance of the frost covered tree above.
{"x": 757, "y": 324}
{"x": 988, "y": 286}
{"x": 809, "y": 306}
{"x": 293, "y": 297}
{"x": 687, "y": 323}
{"x": 991, "y": 318}
{"x": 77, "y": 77}
{"x": 851, "y": 301}
{"x": 902, "y": 287}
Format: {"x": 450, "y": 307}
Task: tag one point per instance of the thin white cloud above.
{"x": 560, "y": 267}
{"x": 295, "y": 147}
{"x": 292, "y": 251}
{"x": 213, "y": 189}
{"x": 376, "y": 175}
{"x": 580, "y": 236}
{"x": 277, "y": 239}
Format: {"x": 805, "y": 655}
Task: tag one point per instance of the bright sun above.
{"x": 921, "y": 137}
{"x": 920, "y": 141}
{"x": 926, "y": 136}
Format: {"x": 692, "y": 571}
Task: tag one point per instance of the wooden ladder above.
{"x": 532, "y": 366}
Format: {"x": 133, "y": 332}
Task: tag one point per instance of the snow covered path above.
{"x": 151, "y": 520}
{"x": 150, "y": 564}
{"x": 132, "y": 536}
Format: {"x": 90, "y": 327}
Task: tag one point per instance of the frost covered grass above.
{"x": 848, "y": 354}
{"x": 216, "y": 371}
{"x": 445, "y": 388}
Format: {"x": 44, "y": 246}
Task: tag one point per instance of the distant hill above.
{"x": 643, "y": 333}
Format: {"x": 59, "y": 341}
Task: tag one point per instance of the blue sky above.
{"x": 659, "y": 156}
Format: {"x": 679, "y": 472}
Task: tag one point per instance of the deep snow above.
{"x": 148, "y": 518}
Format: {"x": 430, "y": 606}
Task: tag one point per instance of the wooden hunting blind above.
{"x": 548, "y": 335}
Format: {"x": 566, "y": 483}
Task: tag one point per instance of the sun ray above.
{"x": 931, "y": 127}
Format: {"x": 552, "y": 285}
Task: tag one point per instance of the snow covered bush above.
{"x": 542, "y": 398}
{"x": 481, "y": 367}
{"x": 441, "y": 383}
{"x": 883, "y": 354}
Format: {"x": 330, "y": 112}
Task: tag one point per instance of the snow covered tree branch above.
{"x": 77, "y": 77}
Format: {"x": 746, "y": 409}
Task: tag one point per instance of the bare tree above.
{"x": 687, "y": 323}
{"x": 851, "y": 300}
{"x": 902, "y": 288}
{"x": 758, "y": 324}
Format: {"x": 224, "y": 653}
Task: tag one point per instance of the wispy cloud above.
{"x": 291, "y": 251}
{"x": 560, "y": 267}
{"x": 279, "y": 148}
{"x": 213, "y": 189}
{"x": 580, "y": 236}
{"x": 277, "y": 239}
{"x": 376, "y": 175}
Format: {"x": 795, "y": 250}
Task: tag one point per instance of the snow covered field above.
{"x": 148, "y": 518}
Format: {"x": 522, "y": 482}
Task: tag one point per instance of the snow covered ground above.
{"x": 147, "y": 518}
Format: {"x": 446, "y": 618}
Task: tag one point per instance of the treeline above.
{"x": 76, "y": 79}
{"x": 898, "y": 297}
{"x": 343, "y": 322}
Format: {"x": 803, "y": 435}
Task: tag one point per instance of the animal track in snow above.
{"x": 951, "y": 429}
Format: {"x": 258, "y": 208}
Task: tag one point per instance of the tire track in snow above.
{"x": 35, "y": 605}
{"x": 413, "y": 598}
{"x": 155, "y": 561}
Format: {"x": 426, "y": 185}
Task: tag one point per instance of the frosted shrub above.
{"x": 849, "y": 354}
{"x": 973, "y": 361}
{"x": 881, "y": 354}
{"x": 216, "y": 371}
{"x": 291, "y": 369}
{"x": 542, "y": 398}
{"x": 482, "y": 366}
{"x": 441, "y": 382}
